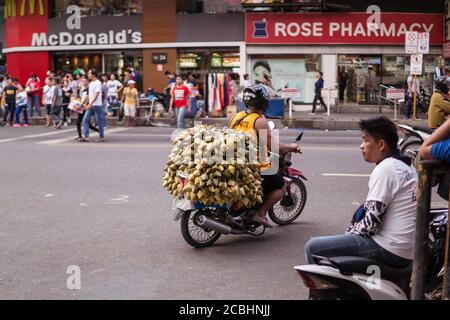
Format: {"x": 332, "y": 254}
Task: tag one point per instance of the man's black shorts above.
{"x": 272, "y": 183}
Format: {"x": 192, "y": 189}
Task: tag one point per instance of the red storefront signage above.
{"x": 340, "y": 28}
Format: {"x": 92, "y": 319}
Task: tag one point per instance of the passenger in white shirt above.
{"x": 383, "y": 229}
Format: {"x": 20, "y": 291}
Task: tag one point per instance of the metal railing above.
{"x": 329, "y": 88}
{"x": 382, "y": 98}
{"x": 427, "y": 171}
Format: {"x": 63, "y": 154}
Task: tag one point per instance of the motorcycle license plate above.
{"x": 182, "y": 204}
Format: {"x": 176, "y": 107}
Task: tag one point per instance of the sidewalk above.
{"x": 347, "y": 119}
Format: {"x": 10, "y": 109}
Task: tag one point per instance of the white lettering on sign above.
{"x": 39, "y": 40}
{"x": 280, "y": 30}
{"x": 67, "y": 39}
{"x": 294, "y": 29}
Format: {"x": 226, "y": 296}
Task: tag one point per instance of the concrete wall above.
{"x": 210, "y": 27}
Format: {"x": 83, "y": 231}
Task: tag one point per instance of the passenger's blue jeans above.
{"x": 19, "y": 110}
{"x": 181, "y": 113}
{"x": 99, "y": 113}
{"x": 351, "y": 245}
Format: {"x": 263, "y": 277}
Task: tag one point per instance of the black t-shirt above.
{"x": 66, "y": 99}
{"x": 10, "y": 92}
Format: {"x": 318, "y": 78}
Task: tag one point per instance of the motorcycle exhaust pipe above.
{"x": 208, "y": 223}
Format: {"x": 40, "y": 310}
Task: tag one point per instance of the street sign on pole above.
{"x": 411, "y": 42}
{"x": 416, "y": 64}
{"x": 424, "y": 43}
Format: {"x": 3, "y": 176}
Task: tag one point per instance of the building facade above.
{"x": 210, "y": 36}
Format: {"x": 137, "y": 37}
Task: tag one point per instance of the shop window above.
{"x": 297, "y": 71}
{"x": 201, "y": 62}
{"x": 363, "y": 78}
{"x": 99, "y": 7}
{"x": 396, "y": 69}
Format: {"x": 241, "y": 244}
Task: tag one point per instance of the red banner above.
{"x": 341, "y": 28}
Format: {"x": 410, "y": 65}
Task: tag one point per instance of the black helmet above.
{"x": 443, "y": 84}
{"x": 256, "y": 97}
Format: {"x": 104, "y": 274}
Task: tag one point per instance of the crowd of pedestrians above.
{"x": 89, "y": 98}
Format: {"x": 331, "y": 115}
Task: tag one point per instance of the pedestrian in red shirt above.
{"x": 33, "y": 86}
{"x": 180, "y": 97}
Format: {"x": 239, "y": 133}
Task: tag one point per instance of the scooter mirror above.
{"x": 271, "y": 125}
{"x": 299, "y": 138}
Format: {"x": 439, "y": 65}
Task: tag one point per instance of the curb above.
{"x": 313, "y": 124}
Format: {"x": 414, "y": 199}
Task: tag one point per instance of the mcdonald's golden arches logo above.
{"x": 11, "y": 7}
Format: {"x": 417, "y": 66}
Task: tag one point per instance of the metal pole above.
{"x": 422, "y": 221}
{"x": 329, "y": 101}
{"x": 415, "y": 96}
{"x": 290, "y": 108}
{"x": 395, "y": 109}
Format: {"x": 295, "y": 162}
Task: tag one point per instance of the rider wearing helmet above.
{"x": 440, "y": 103}
{"x": 252, "y": 121}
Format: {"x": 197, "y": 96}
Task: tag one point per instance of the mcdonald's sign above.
{"x": 11, "y": 7}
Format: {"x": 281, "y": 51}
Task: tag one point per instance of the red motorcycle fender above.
{"x": 296, "y": 173}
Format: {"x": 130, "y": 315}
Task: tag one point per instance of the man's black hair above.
{"x": 264, "y": 64}
{"x": 167, "y": 73}
{"x": 381, "y": 128}
{"x": 94, "y": 72}
{"x": 321, "y": 73}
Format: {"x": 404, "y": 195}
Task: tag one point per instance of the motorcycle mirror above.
{"x": 271, "y": 125}
{"x": 299, "y": 138}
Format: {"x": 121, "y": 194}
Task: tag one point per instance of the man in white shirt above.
{"x": 413, "y": 85}
{"x": 383, "y": 229}
{"x": 94, "y": 107}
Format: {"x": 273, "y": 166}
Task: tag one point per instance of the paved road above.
{"x": 102, "y": 208}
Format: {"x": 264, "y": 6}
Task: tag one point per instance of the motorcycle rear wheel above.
{"x": 284, "y": 213}
{"x": 195, "y": 235}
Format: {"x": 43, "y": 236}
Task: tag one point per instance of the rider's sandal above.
{"x": 264, "y": 223}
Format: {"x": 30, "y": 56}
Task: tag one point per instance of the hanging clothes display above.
{"x": 217, "y": 93}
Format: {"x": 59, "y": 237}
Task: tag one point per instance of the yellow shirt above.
{"x": 439, "y": 109}
{"x": 130, "y": 96}
{"x": 245, "y": 122}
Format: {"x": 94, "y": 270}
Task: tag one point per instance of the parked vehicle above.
{"x": 349, "y": 278}
{"x": 412, "y": 139}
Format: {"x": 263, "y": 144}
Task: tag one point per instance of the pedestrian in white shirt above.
{"x": 47, "y": 99}
{"x": 95, "y": 107}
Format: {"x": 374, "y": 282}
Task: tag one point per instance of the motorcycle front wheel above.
{"x": 195, "y": 235}
{"x": 290, "y": 207}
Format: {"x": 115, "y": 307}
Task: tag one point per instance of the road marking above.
{"x": 58, "y": 141}
{"x": 352, "y": 175}
{"x": 122, "y": 199}
{"x": 48, "y": 134}
{"x": 328, "y": 148}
